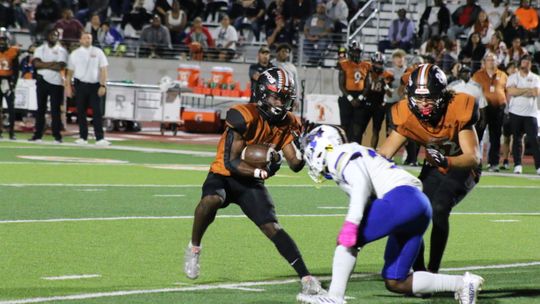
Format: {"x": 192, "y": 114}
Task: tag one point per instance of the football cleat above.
{"x": 191, "y": 261}
{"x": 318, "y": 299}
{"x": 472, "y": 284}
{"x": 311, "y": 286}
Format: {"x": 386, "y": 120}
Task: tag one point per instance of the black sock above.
{"x": 287, "y": 248}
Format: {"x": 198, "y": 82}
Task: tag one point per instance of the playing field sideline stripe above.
{"x": 184, "y": 217}
{"x": 200, "y": 185}
{"x": 227, "y": 286}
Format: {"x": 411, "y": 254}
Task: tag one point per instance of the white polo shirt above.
{"x": 86, "y": 63}
{"x": 47, "y": 54}
{"x": 523, "y": 105}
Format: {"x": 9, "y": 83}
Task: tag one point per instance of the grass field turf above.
{"x": 145, "y": 254}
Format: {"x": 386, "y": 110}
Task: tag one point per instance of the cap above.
{"x": 264, "y": 49}
{"x": 465, "y": 69}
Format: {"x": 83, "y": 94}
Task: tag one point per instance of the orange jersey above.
{"x": 6, "y": 61}
{"x": 355, "y": 74}
{"x": 494, "y": 87}
{"x": 246, "y": 120}
{"x": 460, "y": 114}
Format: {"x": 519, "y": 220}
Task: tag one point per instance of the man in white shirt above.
{"x": 87, "y": 66}
{"x": 49, "y": 59}
{"x": 226, "y": 38}
{"x": 384, "y": 200}
{"x": 523, "y": 88}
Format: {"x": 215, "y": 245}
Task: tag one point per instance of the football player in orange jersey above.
{"x": 231, "y": 180}
{"x": 9, "y": 73}
{"x": 442, "y": 122}
{"x": 352, "y": 77}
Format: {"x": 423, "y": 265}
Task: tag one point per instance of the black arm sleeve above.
{"x": 236, "y": 121}
{"x": 474, "y": 117}
{"x": 230, "y": 164}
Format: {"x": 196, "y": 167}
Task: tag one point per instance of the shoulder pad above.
{"x": 239, "y": 117}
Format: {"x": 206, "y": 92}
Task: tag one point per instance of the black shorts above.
{"x": 447, "y": 190}
{"x": 248, "y": 193}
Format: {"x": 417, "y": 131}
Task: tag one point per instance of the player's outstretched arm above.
{"x": 294, "y": 157}
{"x": 468, "y": 142}
{"x": 234, "y": 144}
{"x": 392, "y": 144}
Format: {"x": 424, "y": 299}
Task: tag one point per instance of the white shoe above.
{"x": 518, "y": 169}
{"x": 318, "y": 299}
{"x": 57, "y": 142}
{"x": 103, "y": 142}
{"x": 472, "y": 284}
{"x": 191, "y": 261}
{"x": 81, "y": 141}
{"x": 538, "y": 171}
{"x": 311, "y": 286}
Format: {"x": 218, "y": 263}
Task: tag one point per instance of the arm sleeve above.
{"x": 360, "y": 193}
{"x": 235, "y": 120}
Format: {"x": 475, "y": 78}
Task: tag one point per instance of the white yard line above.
{"x": 240, "y": 286}
{"x": 169, "y": 195}
{"x": 72, "y": 277}
{"x": 505, "y": 221}
{"x": 187, "y": 217}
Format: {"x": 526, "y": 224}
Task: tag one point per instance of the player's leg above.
{"x": 345, "y": 115}
{"x": 256, "y": 203}
{"x": 455, "y": 185}
{"x": 10, "y": 100}
{"x": 378, "y": 118}
{"x": 362, "y": 116}
{"x": 213, "y": 198}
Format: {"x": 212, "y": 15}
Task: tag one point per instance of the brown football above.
{"x": 257, "y": 155}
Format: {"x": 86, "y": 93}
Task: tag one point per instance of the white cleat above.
{"x": 472, "y": 284}
{"x": 103, "y": 142}
{"x": 318, "y": 299}
{"x": 311, "y": 286}
{"x": 191, "y": 261}
{"x": 81, "y": 141}
{"x": 518, "y": 169}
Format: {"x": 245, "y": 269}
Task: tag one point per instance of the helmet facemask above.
{"x": 275, "y": 98}
{"x": 317, "y": 144}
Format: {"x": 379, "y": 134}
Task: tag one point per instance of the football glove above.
{"x": 437, "y": 159}
{"x": 275, "y": 163}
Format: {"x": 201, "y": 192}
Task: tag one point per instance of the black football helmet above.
{"x": 428, "y": 82}
{"x": 280, "y": 84}
{"x": 377, "y": 61}
{"x": 355, "y": 51}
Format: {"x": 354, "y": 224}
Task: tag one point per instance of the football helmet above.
{"x": 427, "y": 94}
{"x": 355, "y": 51}
{"x": 317, "y": 143}
{"x": 277, "y": 83}
{"x": 377, "y": 61}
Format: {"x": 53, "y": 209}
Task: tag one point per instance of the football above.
{"x": 257, "y": 155}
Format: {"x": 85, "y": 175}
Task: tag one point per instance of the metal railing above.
{"x": 359, "y": 14}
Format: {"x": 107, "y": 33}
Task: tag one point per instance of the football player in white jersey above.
{"x": 384, "y": 201}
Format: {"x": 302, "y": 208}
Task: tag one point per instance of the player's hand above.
{"x": 260, "y": 174}
{"x": 101, "y": 91}
{"x": 437, "y": 159}
{"x": 348, "y": 234}
{"x": 275, "y": 163}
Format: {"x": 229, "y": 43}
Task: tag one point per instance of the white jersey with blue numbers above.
{"x": 361, "y": 173}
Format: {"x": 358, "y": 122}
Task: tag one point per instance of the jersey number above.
{"x": 4, "y": 65}
{"x": 357, "y": 76}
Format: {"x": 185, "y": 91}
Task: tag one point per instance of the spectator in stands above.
{"x": 69, "y": 28}
{"x": 281, "y": 34}
{"x": 498, "y": 47}
{"x": 496, "y": 12}
{"x": 297, "y": 12}
{"x": 473, "y": 52}
{"x": 199, "y": 40}
{"x": 523, "y": 88}
{"x": 449, "y": 56}
{"x": 433, "y": 48}
{"x": 463, "y": 18}
{"x": 212, "y": 8}
{"x": 516, "y": 51}
{"x": 252, "y": 18}
{"x": 255, "y": 70}
{"x": 400, "y": 33}
{"x": 193, "y": 8}
{"x": 93, "y": 27}
{"x": 120, "y": 7}
{"x": 226, "y": 38}
{"x": 493, "y": 83}
{"x": 99, "y": 7}
{"x": 528, "y": 18}
{"x": 7, "y": 14}
{"x": 435, "y": 21}
{"x": 111, "y": 40}
{"x": 483, "y": 27}
{"x": 155, "y": 39}
{"x": 176, "y": 21}
{"x": 275, "y": 9}
{"x": 47, "y": 12}
{"x": 513, "y": 29}
{"x": 162, "y": 7}
{"x": 136, "y": 19}
{"x": 317, "y": 29}
{"x": 283, "y": 54}
{"x": 338, "y": 11}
